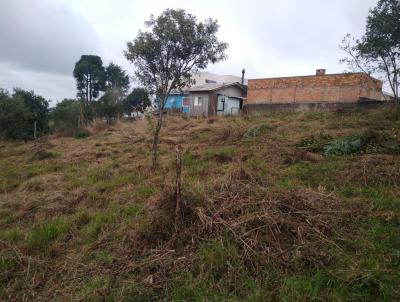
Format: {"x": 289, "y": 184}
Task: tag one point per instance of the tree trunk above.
{"x": 178, "y": 196}
{"x": 155, "y": 139}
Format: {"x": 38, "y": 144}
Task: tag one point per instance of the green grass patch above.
{"x": 193, "y": 164}
{"x": 101, "y": 219}
{"x": 92, "y": 290}
{"x": 13, "y": 235}
{"x": 256, "y": 131}
{"x": 42, "y": 236}
{"x": 220, "y": 154}
{"x": 133, "y": 210}
{"x": 143, "y": 192}
{"x": 44, "y": 154}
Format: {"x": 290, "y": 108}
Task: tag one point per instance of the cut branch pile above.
{"x": 267, "y": 226}
{"x": 274, "y": 226}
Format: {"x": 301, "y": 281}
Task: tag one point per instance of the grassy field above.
{"x": 278, "y": 207}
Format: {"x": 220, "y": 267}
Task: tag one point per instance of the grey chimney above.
{"x": 320, "y": 72}
{"x": 243, "y": 72}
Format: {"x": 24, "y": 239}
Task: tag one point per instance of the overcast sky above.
{"x": 42, "y": 39}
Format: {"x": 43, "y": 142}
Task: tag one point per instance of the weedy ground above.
{"x": 278, "y": 207}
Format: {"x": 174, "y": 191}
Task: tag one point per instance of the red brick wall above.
{"x": 313, "y": 89}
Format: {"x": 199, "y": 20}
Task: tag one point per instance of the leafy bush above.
{"x": 66, "y": 117}
{"x": 137, "y": 101}
{"x": 19, "y": 112}
{"x": 256, "y": 131}
{"x": 82, "y": 133}
{"x": 369, "y": 142}
{"x": 109, "y": 106}
{"x": 345, "y": 145}
{"x": 315, "y": 143}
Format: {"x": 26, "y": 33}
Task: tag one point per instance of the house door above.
{"x": 221, "y": 105}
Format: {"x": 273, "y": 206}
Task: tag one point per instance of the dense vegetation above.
{"x": 289, "y": 206}
{"x": 20, "y": 112}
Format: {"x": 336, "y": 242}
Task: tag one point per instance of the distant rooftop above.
{"x": 207, "y": 81}
{"x": 205, "y": 77}
{"x": 213, "y": 86}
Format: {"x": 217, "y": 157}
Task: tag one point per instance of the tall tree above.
{"x": 174, "y": 46}
{"x": 378, "y": 50}
{"x": 90, "y": 77}
{"x": 138, "y": 100}
{"x": 117, "y": 84}
{"x": 117, "y": 79}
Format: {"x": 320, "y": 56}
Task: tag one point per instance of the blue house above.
{"x": 178, "y": 102}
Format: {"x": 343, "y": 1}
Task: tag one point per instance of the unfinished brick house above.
{"x": 321, "y": 91}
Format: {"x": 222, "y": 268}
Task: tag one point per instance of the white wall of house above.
{"x": 199, "y": 104}
{"x": 227, "y": 105}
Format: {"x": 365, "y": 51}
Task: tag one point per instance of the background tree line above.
{"x": 102, "y": 92}
{"x": 166, "y": 54}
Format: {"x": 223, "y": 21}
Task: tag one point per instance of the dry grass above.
{"x": 86, "y": 220}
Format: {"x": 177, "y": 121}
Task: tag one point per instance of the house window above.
{"x": 197, "y": 100}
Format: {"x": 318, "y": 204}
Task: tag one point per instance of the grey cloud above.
{"x": 266, "y": 37}
{"x": 53, "y": 87}
{"x": 300, "y": 33}
{"x": 44, "y": 36}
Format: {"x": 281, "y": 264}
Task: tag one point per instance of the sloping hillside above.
{"x": 291, "y": 207}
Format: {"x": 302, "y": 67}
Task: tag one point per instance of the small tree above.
{"x": 378, "y": 51}
{"x": 90, "y": 77}
{"x": 66, "y": 116}
{"x": 109, "y": 106}
{"x": 138, "y": 100}
{"x": 175, "y": 46}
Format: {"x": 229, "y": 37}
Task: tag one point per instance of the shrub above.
{"x": 315, "y": 143}
{"x": 19, "y": 112}
{"x": 344, "y": 145}
{"x": 109, "y": 106}
{"x": 66, "y": 117}
{"x": 82, "y": 133}
{"x": 256, "y": 131}
{"x": 367, "y": 142}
